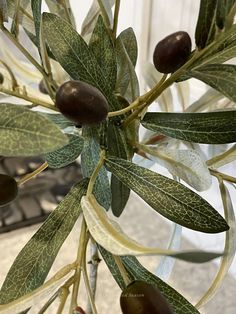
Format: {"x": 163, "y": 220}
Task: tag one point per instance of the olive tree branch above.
{"x": 122, "y": 269}
{"x": 33, "y": 174}
{"x": 222, "y": 176}
{"x": 116, "y": 16}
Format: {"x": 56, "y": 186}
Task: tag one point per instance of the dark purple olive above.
{"x": 1, "y": 78}
{"x": 172, "y": 52}
{"x": 140, "y": 297}
{"x": 8, "y": 189}
{"x": 42, "y": 87}
{"x": 81, "y": 103}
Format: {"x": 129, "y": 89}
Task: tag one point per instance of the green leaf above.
{"x": 127, "y": 82}
{"x": 222, "y": 77}
{"x": 136, "y": 271}
{"x": 117, "y": 146}
{"x": 59, "y": 120}
{"x": 168, "y": 197}
{"x": 221, "y": 13}
{"x": 4, "y": 10}
{"x": 89, "y": 159}
{"x": 67, "y": 154}
{"x": 204, "y": 23}
{"x": 129, "y": 41}
{"x": 57, "y": 8}
{"x": 103, "y": 49}
{"x": 33, "y": 263}
{"x": 36, "y": 9}
{"x": 27, "y": 133}
{"x": 72, "y": 52}
{"x": 221, "y": 50}
{"x": 208, "y": 128}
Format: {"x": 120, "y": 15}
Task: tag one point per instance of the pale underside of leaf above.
{"x": 109, "y": 235}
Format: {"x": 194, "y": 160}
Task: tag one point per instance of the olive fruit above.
{"x": 140, "y": 297}
{"x": 1, "y": 78}
{"x": 42, "y": 87}
{"x": 172, "y": 52}
{"x": 8, "y": 189}
{"x": 81, "y": 103}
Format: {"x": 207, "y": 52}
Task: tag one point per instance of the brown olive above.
{"x": 8, "y": 189}
{"x": 1, "y": 78}
{"x": 140, "y": 297}
{"x": 81, "y": 103}
{"x": 172, "y": 52}
{"x": 42, "y": 87}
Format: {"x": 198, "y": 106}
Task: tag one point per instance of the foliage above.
{"x": 110, "y": 151}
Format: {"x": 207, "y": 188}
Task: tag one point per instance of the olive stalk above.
{"x": 122, "y": 269}
{"x": 13, "y": 78}
{"x": 48, "y": 303}
{"x": 87, "y": 285}
{"x": 223, "y": 176}
{"x": 115, "y": 21}
{"x": 24, "y": 96}
{"x": 80, "y": 255}
{"x": 33, "y": 174}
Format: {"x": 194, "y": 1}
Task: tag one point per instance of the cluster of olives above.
{"x": 81, "y": 103}
{"x": 172, "y": 52}
{"x": 140, "y": 297}
{"x": 8, "y": 189}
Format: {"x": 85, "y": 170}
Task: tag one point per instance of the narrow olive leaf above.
{"x": 89, "y": 159}
{"x": 208, "y": 128}
{"x": 127, "y": 82}
{"x": 129, "y": 41}
{"x": 221, "y": 13}
{"x": 3, "y": 11}
{"x": 168, "y": 197}
{"x": 57, "y": 8}
{"x": 176, "y": 300}
{"x": 220, "y": 51}
{"x": 204, "y": 22}
{"x": 152, "y": 77}
{"x": 36, "y": 9}
{"x": 59, "y": 120}
{"x": 22, "y": 304}
{"x": 67, "y": 154}
{"x": 93, "y": 13}
{"x": 103, "y": 49}
{"x": 166, "y": 264}
{"x": 229, "y": 249}
{"x": 72, "y": 52}
{"x": 136, "y": 271}
{"x": 33, "y": 263}
{"x": 27, "y": 133}
{"x": 230, "y": 10}
{"x": 223, "y": 159}
{"x": 185, "y": 164}
{"x": 117, "y": 146}
{"x": 222, "y": 77}
{"x": 109, "y": 235}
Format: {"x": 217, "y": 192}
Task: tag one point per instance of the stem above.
{"x": 63, "y": 297}
{"x": 31, "y": 175}
{"x": 94, "y": 262}
{"x": 48, "y": 303}
{"x": 24, "y": 96}
{"x": 80, "y": 255}
{"x": 222, "y": 176}
{"x": 122, "y": 269}
{"x": 23, "y": 50}
{"x": 88, "y": 288}
{"x": 116, "y": 15}
{"x": 104, "y": 14}
{"x": 95, "y": 173}
{"x": 126, "y": 109}
{"x": 220, "y": 157}
{"x": 13, "y": 79}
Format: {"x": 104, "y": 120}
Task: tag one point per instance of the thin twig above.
{"x": 33, "y": 174}
{"x": 116, "y": 15}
